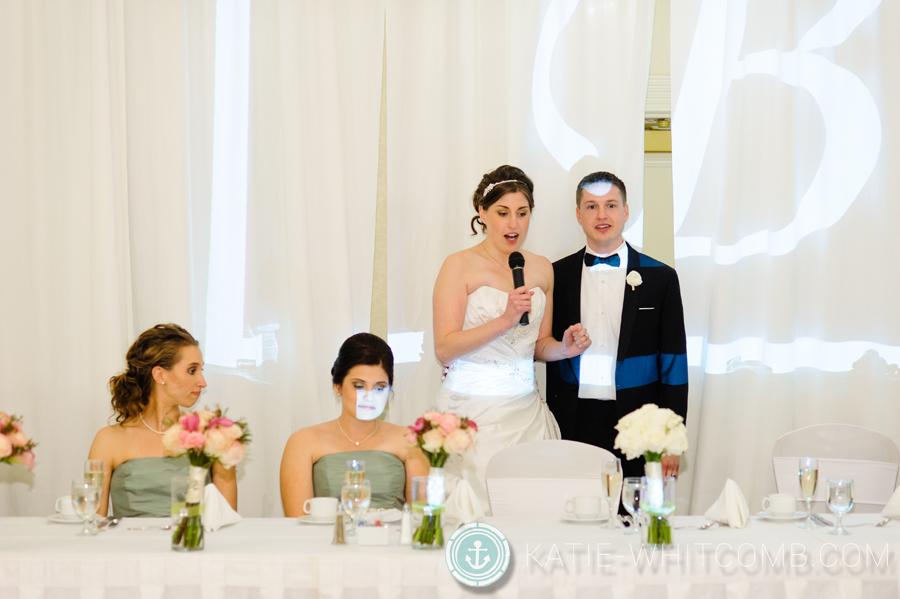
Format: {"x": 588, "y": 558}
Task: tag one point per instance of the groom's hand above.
{"x": 576, "y": 340}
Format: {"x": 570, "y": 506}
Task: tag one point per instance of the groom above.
{"x": 630, "y": 304}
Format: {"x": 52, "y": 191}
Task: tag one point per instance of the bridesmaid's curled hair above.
{"x": 363, "y": 348}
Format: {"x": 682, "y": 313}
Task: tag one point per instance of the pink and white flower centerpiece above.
{"x": 439, "y": 435}
{"x": 205, "y": 437}
{"x": 653, "y": 432}
{"x": 15, "y": 446}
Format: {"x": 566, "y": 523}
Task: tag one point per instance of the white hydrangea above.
{"x": 653, "y": 429}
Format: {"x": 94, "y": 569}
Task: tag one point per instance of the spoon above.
{"x": 166, "y": 527}
{"x": 108, "y": 522}
{"x": 702, "y": 527}
{"x": 878, "y": 524}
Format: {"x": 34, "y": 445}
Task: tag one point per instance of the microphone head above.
{"x": 516, "y": 260}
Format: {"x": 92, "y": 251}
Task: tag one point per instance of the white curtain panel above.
{"x": 785, "y": 223}
{"x": 556, "y": 88}
{"x": 315, "y": 97}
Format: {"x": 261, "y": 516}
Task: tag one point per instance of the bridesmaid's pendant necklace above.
{"x": 153, "y": 429}
{"x": 346, "y": 435}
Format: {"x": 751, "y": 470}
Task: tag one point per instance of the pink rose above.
{"x": 4, "y": 418}
{"x": 6, "y": 447}
{"x": 232, "y": 455}
{"x": 192, "y": 439}
{"x": 458, "y": 441}
{"x": 190, "y": 422}
{"x": 233, "y": 432}
{"x": 18, "y": 438}
{"x": 449, "y": 423}
{"x": 26, "y": 458}
{"x": 220, "y": 421}
{"x": 433, "y": 440}
{"x": 412, "y": 438}
{"x": 418, "y": 426}
{"x": 205, "y": 417}
{"x": 216, "y": 442}
{"x": 432, "y": 416}
{"x": 171, "y": 440}
{"x": 472, "y": 425}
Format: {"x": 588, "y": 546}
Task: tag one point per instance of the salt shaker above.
{"x": 339, "y": 528}
{"x": 406, "y": 526}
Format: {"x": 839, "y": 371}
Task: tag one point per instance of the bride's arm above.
{"x": 575, "y": 340}
{"x": 449, "y": 307}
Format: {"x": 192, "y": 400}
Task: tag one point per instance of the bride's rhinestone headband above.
{"x": 488, "y": 189}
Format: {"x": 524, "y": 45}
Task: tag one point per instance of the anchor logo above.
{"x": 477, "y": 549}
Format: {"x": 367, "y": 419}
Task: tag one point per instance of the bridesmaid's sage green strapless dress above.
{"x": 384, "y": 471}
{"x": 142, "y": 487}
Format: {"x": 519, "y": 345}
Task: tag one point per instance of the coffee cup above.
{"x": 64, "y": 506}
{"x": 321, "y": 507}
{"x": 780, "y": 504}
{"x": 584, "y": 506}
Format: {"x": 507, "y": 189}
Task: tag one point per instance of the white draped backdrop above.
{"x": 216, "y": 163}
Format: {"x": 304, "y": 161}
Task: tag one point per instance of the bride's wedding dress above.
{"x": 495, "y": 387}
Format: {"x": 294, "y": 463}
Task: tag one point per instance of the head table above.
{"x": 281, "y": 558}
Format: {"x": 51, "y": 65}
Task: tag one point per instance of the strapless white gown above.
{"x": 495, "y": 387}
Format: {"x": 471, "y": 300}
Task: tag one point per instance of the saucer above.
{"x": 574, "y": 518}
{"x": 767, "y": 515}
{"x": 315, "y": 520}
{"x": 63, "y": 519}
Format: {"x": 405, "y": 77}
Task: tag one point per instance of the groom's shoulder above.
{"x": 569, "y": 260}
{"x": 653, "y": 265}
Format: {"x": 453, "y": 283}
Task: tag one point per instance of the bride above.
{"x": 489, "y": 356}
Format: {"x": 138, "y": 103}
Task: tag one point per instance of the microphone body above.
{"x": 517, "y": 264}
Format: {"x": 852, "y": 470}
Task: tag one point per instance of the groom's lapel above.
{"x": 573, "y": 286}
{"x": 629, "y": 306}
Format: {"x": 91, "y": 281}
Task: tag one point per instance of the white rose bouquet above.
{"x": 651, "y": 431}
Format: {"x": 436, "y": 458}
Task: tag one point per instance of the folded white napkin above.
{"x": 386, "y": 516}
{"x": 731, "y": 507}
{"x": 892, "y": 509}
{"x": 463, "y": 505}
{"x": 217, "y": 511}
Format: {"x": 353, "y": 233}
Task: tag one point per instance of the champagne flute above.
{"x": 631, "y": 499}
{"x": 93, "y": 475}
{"x": 839, "y": 499}
{"x": 612, "y": 486}
{"x": 809, "y": 476}
{"x": 355, "y": 499}
{"x": 355, "y": 472}
{"x": 85, "y": 500}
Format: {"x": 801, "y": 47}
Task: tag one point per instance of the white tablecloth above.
{"x": 281, "y": 559}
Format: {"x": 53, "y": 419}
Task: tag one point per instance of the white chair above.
{"x": 870, "y": 458}
{"x": 534, "y": 480}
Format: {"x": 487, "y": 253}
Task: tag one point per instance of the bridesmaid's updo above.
{"x": 497, "y": 183}
{"x": 159, "y": 346}
{"x": 362, "y": 348}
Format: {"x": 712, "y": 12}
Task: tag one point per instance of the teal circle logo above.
{"x": 477, "y": 554}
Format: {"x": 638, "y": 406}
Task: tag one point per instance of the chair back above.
{"x": 870, "y": 458}
{"x": 535, "y": 479}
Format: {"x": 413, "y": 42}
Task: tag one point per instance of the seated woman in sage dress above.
{"x": 489, "y": 356}
{"x": 314, "y": 460}
{"x": 164, "y": 374}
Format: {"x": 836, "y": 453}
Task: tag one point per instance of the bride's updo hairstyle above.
{"x": 497, "y": 183}
{"x": 159, "y": 346}
{"x": 362, "y": 348}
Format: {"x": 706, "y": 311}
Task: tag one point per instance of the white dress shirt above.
{"x": 602, "y": 295}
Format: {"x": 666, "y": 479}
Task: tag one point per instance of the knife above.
{"x": 821, "y": 520}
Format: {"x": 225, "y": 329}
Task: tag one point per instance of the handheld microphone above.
{"x": 517, "y": 264}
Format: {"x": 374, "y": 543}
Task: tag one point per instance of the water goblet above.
{"x": 631, "y": 500}
{"x": 93, "y": 475}
{"x": 85, "y": 501}
{"x": 839, "y": 499}
{"x": 355, "y": 499}
{"x": 612, "y": 486}
{"x": 355, "y": 472}
{"x": 809, "y": 476}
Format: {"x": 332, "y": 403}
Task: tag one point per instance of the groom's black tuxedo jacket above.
{"x": 651, "y": 359}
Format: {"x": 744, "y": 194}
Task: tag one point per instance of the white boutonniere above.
{"x": 634, "y": 279}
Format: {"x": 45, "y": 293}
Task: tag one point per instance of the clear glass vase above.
{"x": 657, "y": 505}
{"x": 188, "y": 533}
{"x": 429, "y": 496}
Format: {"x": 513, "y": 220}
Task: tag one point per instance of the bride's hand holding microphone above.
{"x": 517, "y": 304}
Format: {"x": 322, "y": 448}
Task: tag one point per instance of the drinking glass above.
{"x": 809, "y": 476}
{"x": 612, "y": 486}
{"x": 93, "y": 475}
{"x": 355, "y": 472}
{"x": 631, "y": 499}
{"x": 85, "y": 500}
{"x": 840, "y": 500}
{"x": 355, "y": 499}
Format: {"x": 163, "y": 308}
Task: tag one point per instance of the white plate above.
{"x": 315, "y": 520}
{"x": 573, "y": 518}
{"x": 766, "y": 515}
{"x": 62, "y": 519}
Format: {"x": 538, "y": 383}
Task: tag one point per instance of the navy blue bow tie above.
{"x": 592, "y": 260}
